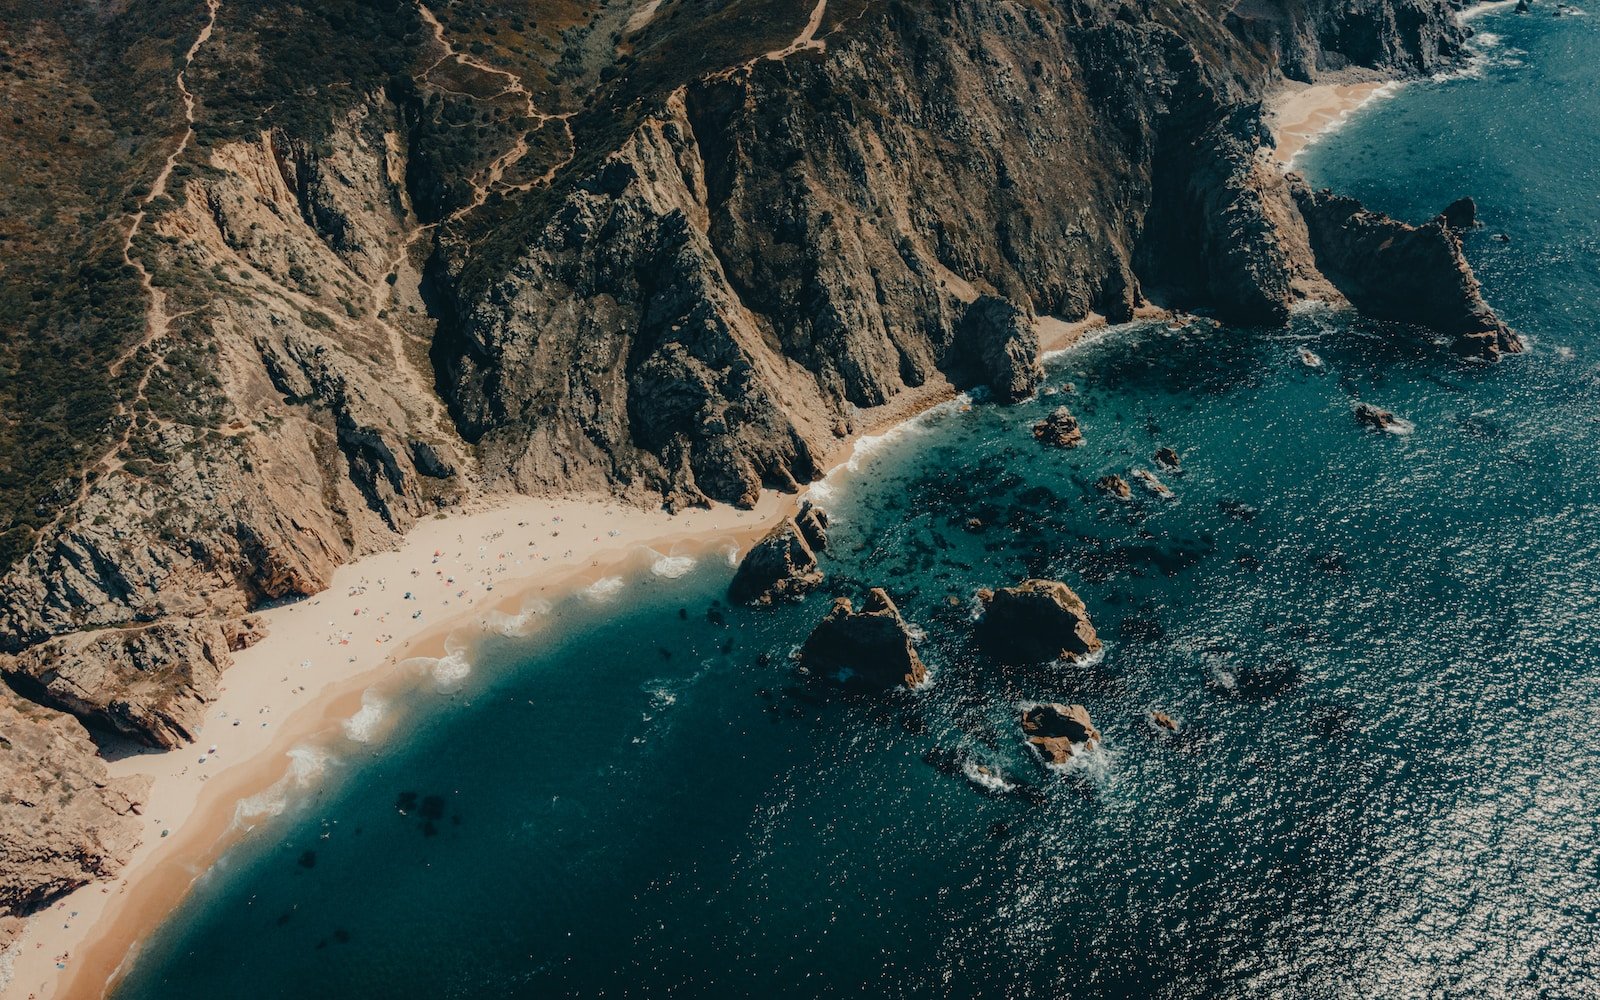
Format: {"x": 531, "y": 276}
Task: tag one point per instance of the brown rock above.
{"x": 1155, "y": 486}
{"x": 149, "y": 683}
{"x": 1389, "y": 269}
{"x": 1059, "y": 429}
{"x": 870, "y": 648}
{"x": 781, "y": 566}
{"x": 1163, "y": 721}
{"x": 1114, "y": 486}
{"x": 813, "y": 524}
{"x": 63, "y": 821}
{"x": 1059, "y": 732}
{"x": 1036, "y": 621}
{"x": 1167, "y": 459}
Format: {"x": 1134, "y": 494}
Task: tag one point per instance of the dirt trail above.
{"x": 807, "y": 39}
{"x": 156, "y": 322}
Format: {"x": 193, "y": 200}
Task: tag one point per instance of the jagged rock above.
{"x": 1153, "y": 485}
{"x": 1036, "y": 621}
{"x": 1115, "y": 487}
{"x": 149, "y": 683}
{"x": 998, "y": 346}
{"x": 1461, "y": 214}
{"x": 1377, "y": 417}
{"x": 1059, "y": 732}
{"x": 1167, "y": 459}
{"x": 63, "y": 821}
{"x": 1059, "y": 429}
{"x": 1162, "y": 720}
{"x": 1391, "y": 270}
{"x": 870, "y": 648}
{"x": 429, "y": 462}
{"x": 781, "y": 566}
{"x": 813, "y": 524}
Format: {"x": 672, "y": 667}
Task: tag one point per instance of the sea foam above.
{"x": 362, "y": 727}
{"x": 671, "y": 567}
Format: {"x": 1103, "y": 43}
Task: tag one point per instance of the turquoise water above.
{"x": 1383, "y": 650}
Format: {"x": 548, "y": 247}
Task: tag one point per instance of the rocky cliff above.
{"x": 333, "y": 267}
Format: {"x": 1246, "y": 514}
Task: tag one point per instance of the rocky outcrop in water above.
{"x": 780, "y": 567}
{"x": 1377, "y": 417}
{"x": 1413, "y": 274}
{"x": 1036, "y": 621}
{"x": 1114, "y": 486}
{"x": 1060, "y": 429}
{"x": 63, "y": 822}
{"x": 870, "y": 648}
{"x": 813, "y": 524}
{"x": 1059, "y": 732}
{"x": 1152, "y": 484}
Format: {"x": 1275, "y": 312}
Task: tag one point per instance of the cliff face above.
{"x": 669, "y": 253}
{"x": 65, "y": 822}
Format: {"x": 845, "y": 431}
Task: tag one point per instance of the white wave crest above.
{"x": 985, "y": 777}
{"x": 517, "y": 625}
{"x": 307, "y": 765}
{"x": 672, "y": 567}
{"x": 451, "y": 669}
{"x": 604, "y": 588}
{"x": 362, "y": 727}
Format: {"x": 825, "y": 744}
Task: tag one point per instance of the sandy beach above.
{"x": 1301, "y": 113}
{"x": 384, "y": 622}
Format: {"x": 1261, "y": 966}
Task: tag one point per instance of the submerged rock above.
{"x": 1060, "y": 429}
{"x": 1036, "y": 621}
{"x": 1059, "y": 732}
{"x": 1154, "y": 486}
{"x": 1377, "y": 417}
{"x": 869, "y": 648}
{"x": 1114, "y": 486}
{"x": 1162, "y": 720}
{"x": 1167, "y": 459}
{"x": 782, "y": 566}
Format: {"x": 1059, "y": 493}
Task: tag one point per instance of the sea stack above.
{"x": 1034, "y": 622}
{"x": 782, "y": 566}
{"x": 870, "y": 648}
{"x": 1059, "y": 732}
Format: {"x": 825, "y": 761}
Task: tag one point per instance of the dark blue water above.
{"x": 1383, "y": 651}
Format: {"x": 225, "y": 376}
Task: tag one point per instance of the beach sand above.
{"x": 303, "y": 689}
{"x": 1300, "y": 113}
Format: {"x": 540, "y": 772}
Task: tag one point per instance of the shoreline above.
{"x": 291, "y": 698}
{"x": 1303, "y": 114}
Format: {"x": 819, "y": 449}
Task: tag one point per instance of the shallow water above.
{"x": 1382, "y": 651}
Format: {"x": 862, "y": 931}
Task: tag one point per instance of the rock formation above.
{"x": 1115, "y": 487}
{"x": 1162, "y": 720}
{"x": 1036, "y": 621}
{"x": 1059, "y": 732}
{"x": 1152, "y": 484}
{"x": 1167, "y": 459}
{"x": 1377, "y": 417}
{"x": 150, "y": 684}
{"x": 870, "y": 648}
{"x": 64, "y": 822}
{"x": 1413, "y": 274}
{"x": 813, "y": 524}
{"x": 996, "y": 345}
{"x": 781, "y": 566}
{"x": 1060, "y": 429}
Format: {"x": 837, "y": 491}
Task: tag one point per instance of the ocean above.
{"x": 1382, "y": 651}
